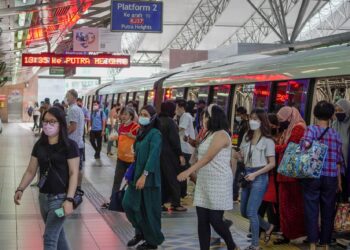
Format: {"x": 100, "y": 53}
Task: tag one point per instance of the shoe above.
{"x": 179, "y": 209}
{"x": 109, "y": 154}
{"x": 252, "y": 248}
{"x": 105, "y": 205}
{"x": 228, "y": 223}
{"x": 215, "y": 242}
{"x": 164, "y": 209}
{"x": 281, "y": 241}
{"x": 145, "y": 246}
{"x": 249, "y": 235}
{"x": 97, "y": 156}
{"x": 136, "y": 240}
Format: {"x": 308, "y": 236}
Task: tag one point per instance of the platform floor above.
{"x": 90, "y": 227}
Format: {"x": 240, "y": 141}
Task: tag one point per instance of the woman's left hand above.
{"x": 250, "y": 177}
{"x": 183, "y": 175}
{"x": 140, "y": 184}
{"x": 340, "y": 187}
{"x": 67, "y": 207}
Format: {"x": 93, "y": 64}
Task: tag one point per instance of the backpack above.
{"x": 30, "y": 111}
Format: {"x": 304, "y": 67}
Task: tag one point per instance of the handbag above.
{"x": 129, "y": 174}
{"x": 342, "y": 218}
{"x": 116, "y": 203}
{"x": 304, "y": 163}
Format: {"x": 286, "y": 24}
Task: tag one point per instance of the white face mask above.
{"x": 254, "y": 125}
{"x": 95, "y": 107}
{"x": 238, "y": 119}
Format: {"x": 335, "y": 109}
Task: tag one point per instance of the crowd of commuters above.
{"x": 190, "y": 141}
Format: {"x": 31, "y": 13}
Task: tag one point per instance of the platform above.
{"x": 89, "y": 228}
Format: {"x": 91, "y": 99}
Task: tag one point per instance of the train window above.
{"x": 173, "y": 94}
{"x": 221, "y": 96}
{"x": 198, "y": 93}
{"x": 140, "y": 99}
{"x": 122, "y": 99}
{"x": 115, "y": 101}
{"x": 291, "y": 93}
{"x": 150, "y": 97}
{"x": 109, "y": 100}
{"x": 88, "y": 102}
{"x": 253, "y": 95}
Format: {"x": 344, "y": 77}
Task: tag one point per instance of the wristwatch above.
{"x": 145, "y": 173}
{"x": 70, "y": 199}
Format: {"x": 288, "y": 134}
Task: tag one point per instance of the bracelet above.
{"x": 69, "y": 199}
{"x": 19, "y": 190}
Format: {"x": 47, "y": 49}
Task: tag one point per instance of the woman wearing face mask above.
{"x": 142, "y": 200}
{"x": 58, "y": 160}
{"x": 290, "y": 191}
{"x": 258, "y": 153}
{"x": 213, "y": 194}
{"x": 126, "y": 137}
{"x": 342, "y": 126}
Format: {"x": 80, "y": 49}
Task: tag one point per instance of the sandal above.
{"x": 268, "y": 235}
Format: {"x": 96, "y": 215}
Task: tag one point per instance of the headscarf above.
{"x": 144, "y": 130}
{"x": 343, "y": 128}
{"x": 290, "y": 114}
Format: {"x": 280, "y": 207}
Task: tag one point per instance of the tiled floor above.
{"x": 89, "y": 228}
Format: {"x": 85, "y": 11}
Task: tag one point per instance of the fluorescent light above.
{"x": 19, "y": 44}
{"x": 20, "y": 35}
{"x": 21, "y": 19}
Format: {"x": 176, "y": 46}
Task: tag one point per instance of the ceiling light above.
{"x": 21, "y": 19}
{"x": 20, "y": 35}
{"x": 19, "y": 45}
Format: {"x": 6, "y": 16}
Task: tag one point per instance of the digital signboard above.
{"x": 65, "y": 60}
{"x": 137, "y": 16}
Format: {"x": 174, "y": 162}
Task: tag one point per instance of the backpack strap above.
{"x": 324, "y": 132}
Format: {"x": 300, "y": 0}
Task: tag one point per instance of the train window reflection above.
{"x": 109, "y": 101}
{"x": 150, "y": 97}
{"x": 140, "y": 99}
{"x": 253, "y": 96}
{"x": 173, "y": 94}
{"x": 122, "y": 99}
{"x": 221, "y": 96}
{"x": 291, "y": 93}
{"x": 198, "y": 93}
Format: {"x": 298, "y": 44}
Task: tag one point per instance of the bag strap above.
{"x": 324, "y": 132}
{"x": 65, "y": 185}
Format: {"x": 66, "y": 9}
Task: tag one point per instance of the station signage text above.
{"x": 140, "y": 16}
{"x": 65, "y": 60}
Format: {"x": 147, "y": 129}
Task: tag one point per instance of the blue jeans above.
{"x": 54, "y": 236}
{"x": 251, "y": 198}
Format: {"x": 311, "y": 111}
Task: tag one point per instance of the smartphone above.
{"x": 59, "y": 212}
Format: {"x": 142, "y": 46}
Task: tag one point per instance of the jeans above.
{"x": 36, "y": 125}
{"x": 54, "y": 236}
{"x": 96, "y": 137}
{"x": 206, "y": 218}
{"x": 320, "y": 194}
{"x": 251, "y": 198}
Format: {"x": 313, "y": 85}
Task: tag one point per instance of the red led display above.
{"x": 63, "y": 60}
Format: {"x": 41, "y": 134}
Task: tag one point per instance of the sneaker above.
{"x": 145, "y": 246}
{"x": 105, "y": 205}
{"x": 136, "y": 240}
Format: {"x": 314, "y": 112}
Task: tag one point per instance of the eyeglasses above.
{"x": 51, "y": 122}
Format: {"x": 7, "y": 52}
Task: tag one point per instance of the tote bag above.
{"x": 300, "y": 163}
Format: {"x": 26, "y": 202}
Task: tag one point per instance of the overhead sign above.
{"x": 64, "y": 60}
{"x": 90, "y": 39}
{"x": 137, "y": 16}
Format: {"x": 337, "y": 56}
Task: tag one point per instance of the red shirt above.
{"x": 132, "y": 127}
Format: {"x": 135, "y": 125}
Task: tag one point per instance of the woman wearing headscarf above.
{"x": 291, "y": 203}
{"x": 342, "y": 126}
{"x": 142, "y": 200}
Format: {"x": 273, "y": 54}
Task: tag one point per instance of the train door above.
{"x": 140, "y": 99}
{"x": 109, "y": 99}
{"x": 290, "y": 93}
{"x": 150, "y": 97}
{"x": 88, "y": 102}
{"x": 116, "y": 99}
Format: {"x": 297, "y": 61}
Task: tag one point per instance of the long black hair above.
{"x": 217, "y": 119}
{"x": 63, "y": 133}
{"x": 265, "y": 124}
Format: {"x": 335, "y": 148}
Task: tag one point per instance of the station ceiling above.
{"x": 40, "y": 25}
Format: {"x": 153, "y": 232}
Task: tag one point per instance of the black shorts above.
{"x": 81, "y": 153}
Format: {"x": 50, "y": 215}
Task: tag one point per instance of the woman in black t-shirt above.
{"x": 58, "y": 160}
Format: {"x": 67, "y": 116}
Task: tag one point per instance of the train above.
{"x": 298, "y": 79}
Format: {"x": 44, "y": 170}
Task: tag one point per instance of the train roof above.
{"x": 332, "y": 61}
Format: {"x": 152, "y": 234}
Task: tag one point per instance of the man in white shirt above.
{"x": 186, "y": 130}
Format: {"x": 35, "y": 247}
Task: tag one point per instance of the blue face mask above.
{"x": 144, "y": 121}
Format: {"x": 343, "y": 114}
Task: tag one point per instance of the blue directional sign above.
{"x": 132, "y": 16}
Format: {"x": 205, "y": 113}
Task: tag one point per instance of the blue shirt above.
{"x": 96, "y": 120}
